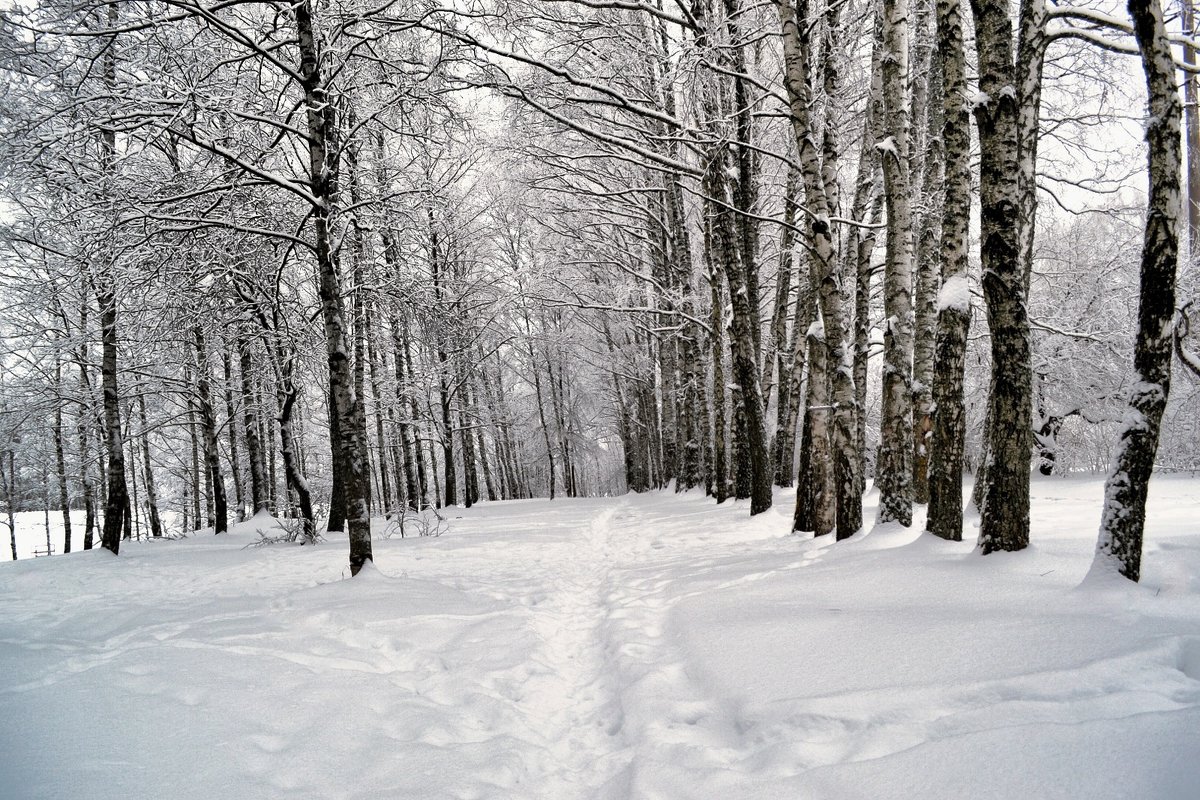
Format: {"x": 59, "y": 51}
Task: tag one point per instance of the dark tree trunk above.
{"x": 10, "y": 489}
{"x": 337, "y": 491}
{"x": 231, "y": 422}
{"x": 212, "y": 451}
{"x": 156, "y": 528}
{"x": 287, "y": 394}
{"x": 1047, "y": 443}
{"x": 785, "y": 438}
{"x": 752, "y": 432}
{"x": 1004, "y": 523}
{"x": 720, "y": 468}
{"x": 60, "y": 459}
{"x": 322, "y": 130}
{"x": 804, "y": 518}
{"x": 259, "y": 493}
{"x": 118, "y": 498}
{"x": 374, "y": 357}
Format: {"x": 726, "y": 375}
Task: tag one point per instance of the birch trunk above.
{"x": 804, "y": 315}
{"x": 893, "y": 473}
{"x": 821, "y": 484}
{"x": 777, "y": 358}
{"x": 818, "y": 171}
{"x": 945, "y": 516}
{"x": 928, "y": 277}
{"x": 1120, "y": 545}
{"x": 1004, "y": 523}
{"x": 84, "y": 431}
{"x": 374, "y": 357}
{"x": 9, "y": 480}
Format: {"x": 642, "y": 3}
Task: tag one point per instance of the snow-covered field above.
{"x": 640, "y": 647}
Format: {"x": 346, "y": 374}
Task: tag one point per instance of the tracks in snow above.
{"x": 571, "y": 693}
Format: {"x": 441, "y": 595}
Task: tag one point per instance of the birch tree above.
{"x": 1124, "y": 515}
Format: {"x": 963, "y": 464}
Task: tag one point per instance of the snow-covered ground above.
{"x": 649, "y": 646}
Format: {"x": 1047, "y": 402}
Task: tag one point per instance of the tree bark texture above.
{"x": 1124, "y": 517}
{"x": 893, "y": 473}
{"x": 945, "y": 515}
{"x": 1004, "y": 523}
{"x": 818, "y": 171}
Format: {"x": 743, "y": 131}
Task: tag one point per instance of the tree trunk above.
{"x": 414, "y": 480}
{"x": 541, "y": 406}
{"x": 337, "y": 491}
{"x": 945, "y": 516}
{"x": 322, "y": 131}
{"x": 893, "y": 473}
{"x": 83, "y": 431}
{"x": 60, "y": 458}
{"x": 131, "y": 526}
{"x": 117, "y": 499}
{"x": 752, "y": 434}
{"x": 785, "y": 438}
{"x": 820, "y": 486}
{"x": 259, "y": 493}
{"x": 804, "y": 517}
{"x": 818, "y": 169}
{"x": 231, "y": 422}
{"x": 1120, "y": 544}
{"x": 927, "y": 281}
{"x": 1192, "y": 116}
{"x": 780, "y": 353}
{"x": 156, "y": 528}
{"x": 720, "y": 467}
{"x": 374, "y": 359}
{"x": 10, "y": 490}
{"x": 1004, "y": 523}
{"x": 212, "y": 452}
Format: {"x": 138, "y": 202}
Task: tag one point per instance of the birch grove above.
{"x": 332, "y": 261}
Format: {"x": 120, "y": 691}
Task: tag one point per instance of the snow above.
{"x": 636, "y": 647}
{"x": 955, "y": 294}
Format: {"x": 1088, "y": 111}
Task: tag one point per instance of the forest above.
{"x": 330, "y": 260}
{"x": 599, "y": 399}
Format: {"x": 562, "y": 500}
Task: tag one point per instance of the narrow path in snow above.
{"x": 570, "y": 693}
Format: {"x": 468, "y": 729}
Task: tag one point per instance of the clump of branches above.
{"x": 289, "y": 531}
{"x": 415, "y": 523}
